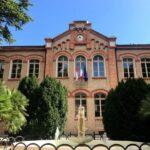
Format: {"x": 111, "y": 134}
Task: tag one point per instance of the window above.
{"x": 80, "y": 66}
{"x": 128, "y": 67}
{"x": 99, "y": 104}
{"x": 80, "y": 99}
{"x": 62, "y": 66}
{"x": 98, "y": 66}
{"x": 34, "y": 68}
{"x": 80, "y": 63}
{"x": 145, "y": 64}
{"x": 16, "y": 68}
{"x": 1, "y": 68}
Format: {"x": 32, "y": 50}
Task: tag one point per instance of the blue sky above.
{"x": 128, "y": 20}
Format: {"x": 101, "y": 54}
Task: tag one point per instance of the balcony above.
{"x": 80, "y": 83}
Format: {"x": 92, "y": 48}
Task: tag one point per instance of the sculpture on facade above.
{"x": 81, "y": 138}
{"x": 81, "y": 122}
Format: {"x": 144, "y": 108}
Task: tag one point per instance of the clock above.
{"x": 80, "y": 38}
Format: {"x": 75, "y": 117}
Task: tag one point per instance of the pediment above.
{"x": 80, "y": 34}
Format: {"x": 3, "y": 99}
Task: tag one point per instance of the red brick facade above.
{"x": 79, "y": 40}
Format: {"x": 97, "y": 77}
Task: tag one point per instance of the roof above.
{"x": 22, "y": 48}
{"x": 133, "y": 47}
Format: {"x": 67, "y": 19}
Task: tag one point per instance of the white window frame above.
{"x": 98, "y": 67}
{"x": 11, "y": 67}
{"x": 100, "y": 99}
{"x": 145, "y": 67}
{"x": 3, "y": 62}
{"x": 34, "y": 68}
{"x": 75, "y": 64}
{"x": 57, "y": 67}
{"x": 134, "y": 68}
{"x": 81, "y": 99}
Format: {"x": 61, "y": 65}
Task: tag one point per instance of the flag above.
{"x": 81, "y": 74}
{"x": 77, "y": 73}
{"x": 85, "y": 74}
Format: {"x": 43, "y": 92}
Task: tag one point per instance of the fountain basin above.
{"x": 81, "y": 140}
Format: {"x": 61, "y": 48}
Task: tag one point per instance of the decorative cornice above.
{"x": 133, "y": 47}
{"x": 22, "y": 48}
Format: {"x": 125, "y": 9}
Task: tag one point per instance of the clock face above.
{"x": 80, "y": 38}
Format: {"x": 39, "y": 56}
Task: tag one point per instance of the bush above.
{"x": 52, "y": 109}
{"x": 12, "y": 109}
{"x": 121, "y": 117}
{"x": 28, "y": 87}
{"x": 145, "y": 107}
{"x": 145, "y": 116}
{"x": 47, "y": 107}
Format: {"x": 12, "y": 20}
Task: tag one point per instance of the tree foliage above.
{"x": 5, "y": 103}
{"x": 145, "y": 115}
{"x": 121, "y": 116}
{"x": 145, "y": 107}
{"x": 47, "y": 107}
{"x": 13, "y": 13}
{"x": 12, "y": 109}
{"x": 52, "y": 110}
{"x": 28, "y": 87}
{"x": 17, "y": 115}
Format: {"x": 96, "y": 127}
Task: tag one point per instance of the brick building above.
{"x": 88, "y": 63}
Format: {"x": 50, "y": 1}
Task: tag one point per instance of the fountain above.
{"x": 81, "y": 138}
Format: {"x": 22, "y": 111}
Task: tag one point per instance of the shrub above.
{"x": 52, "y": 109}
{"x": 28, "y": 87}
{"x": 145, "y": 116}
{"x": 121, "y": 116}
{"x": 145, "y": 107}
{"x": 12, "y": 109}
{"x": 47, "y": 107}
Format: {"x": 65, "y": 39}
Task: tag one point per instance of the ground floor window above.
{"x": 145, "y": 64}
{"x": 1, "y": 68}
{"x": 99, "y": 99}
{"x": 16, "y": 68}
{"x": 34, "y": 68}
{"x": 80, "y": 99}
{"x": 128, "y": 68}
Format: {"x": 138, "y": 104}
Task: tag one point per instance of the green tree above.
{"x": 17, "y": 115}
{"x": 145, "y": 107}
{"x": 121, "y": 117}
{"x": 13, "y": 13}
{"x": 52, "y": 109}
{"x": 12, "y": 109}
{"x": 5, "y": 103}
{"x": 28, "y": 87}
{"x": 145, "y": 116}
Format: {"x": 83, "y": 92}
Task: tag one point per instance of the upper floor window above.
{"x": 80, "y": 100}
{"x": 128, "y": 67}
{"x": 1, "y": 68}
{"x": 16, "y": 68}
{"x": 80, "y": 64}
{"x": 34, "y": 68}
{"x": 99, "y": 99}
{"x": 62, "y": 66}
{"x": 145, "y": 64}
{"x": 98, "y": 66}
